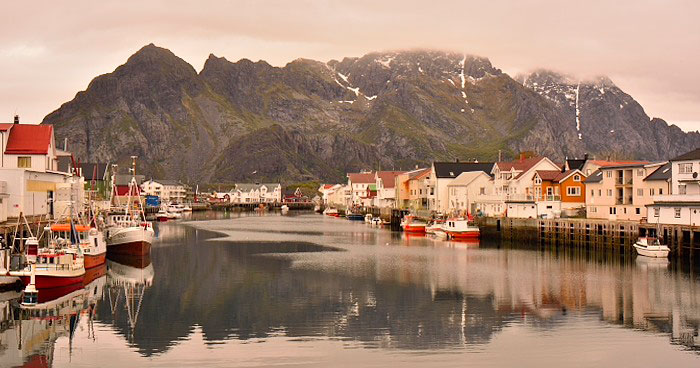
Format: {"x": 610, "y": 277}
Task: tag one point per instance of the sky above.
{"x": 50, "y": 50}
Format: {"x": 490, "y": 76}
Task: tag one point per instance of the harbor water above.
{"x": 305, "y": 290}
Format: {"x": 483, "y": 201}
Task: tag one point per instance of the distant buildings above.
{"x": 169, "y": 191}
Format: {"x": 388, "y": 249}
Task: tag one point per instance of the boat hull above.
{"x": 135, "y": 241}
{"x": 652, "y": 253}
{"x": 51, "y": 282}
{"x": 414, "y": 229}
{"x": 464, "y": 234}
{"x": 95, "y": 260}
{"x": 356, "y": 217}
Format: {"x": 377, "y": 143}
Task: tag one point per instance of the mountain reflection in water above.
{"x": 310, "y": 279}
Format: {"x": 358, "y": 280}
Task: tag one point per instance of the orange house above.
{"x": 566, "y": 187}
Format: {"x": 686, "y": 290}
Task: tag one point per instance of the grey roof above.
{"x": 662, "y": 173}
{"x": 576, "y": 163}
{"x": 125, "y": 179}
{"x": 596, "y": 177}
{"x": 167, "y": 181}
{"x": 88, "y": 170}
{"x": 692, "y": 155}
{"x": 247, "y": 187}
{"x": 453, "y": 169}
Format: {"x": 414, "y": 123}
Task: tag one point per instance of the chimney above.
{"x": 585, "y": 157}
{"x": 65, "y": 144}
{"x": 16, "y": 119}
{"x": 500, "y": 155}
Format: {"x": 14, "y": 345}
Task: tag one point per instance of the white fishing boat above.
{"x": 651, "y": 247}
{"x": 434, "y": 227}
{"x": 51, "y": 267}
{"x": 127, "y": 230}
{"x": 460, "y": 228}
{"x": 376, "y": 221}
{"x": 330, "y": 211}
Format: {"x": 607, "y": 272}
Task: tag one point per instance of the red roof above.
{"x": 5, "y": 127}
{"x": 389, "y": 178}
{"x": 555, "y": 175}
{"x": 519, "y": 165}
{"x": 29, "y": 139}
{"x": 361, "y": 178}
{"x": 604, "y": 163}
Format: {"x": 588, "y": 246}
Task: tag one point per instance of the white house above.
{"x": 512, "y": 194}
{"x": 681, "y": 204}
{"x": 169, "y": 191}
{"x": 386, "y": 188}
{"x": 462, "y": 192}
{"x": 359, "y": 183}
{"x": 29, "y": 166}
{"x": 256, "y": 193}
{"x": 444, "y": 173}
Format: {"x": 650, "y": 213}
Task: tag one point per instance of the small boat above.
{"x": 162, "y": 215}
{"x": 651, "y": 247}
{"x": 376, "y": 221}
{"x": 368, "y": 218}
{"x": 412, "y": 224}
{"x": 284, "y": 208}
{"x": 459, "y": 228}
{"x": 331, "y": 212}
{"x": 355, "y": 216}
{"x": 434, "y": 227}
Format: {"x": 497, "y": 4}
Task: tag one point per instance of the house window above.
{"x": 677, "y": 212}
{"x": 482, "y": 190}
{"x": 592, "y": 193}
{"x": 609, "y": 192}
{"x": 593, "y": 209}
{"x": 538, "y": 180}
{"x": 640, "y": 192}
{"x": 600, "y": 192}
{"x": 685, "y": 168}
{"x": 661, "y": 191}
{"x": 651, "y": 191}
{"x": 638, "y": 211}
{"x": 608, "y": 174}
{"x": 24, "y": 162}
{"x": 613, "y": 211}
{"x": 640, "y": 172}
{"x": 577, "y": 177}
{"x": 681, "y": 189}
{"x": 573, "y": 191}
{"x": 657, "y": 210}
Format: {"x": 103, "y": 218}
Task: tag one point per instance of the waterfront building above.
{"x": 340, "y": 196}
{"x": 680, "y": 203}
{"x": 294, "y": 196}
{"x": 169, "y": 191}
{"x": 462, "y": 192}
{"x": 359, "y": 182}
{"x": 256, "y": 193}
{"x": 442, "y": 174}
{"x": 512, "y": 194}
{"x": 29, "y": 167}
{"x": 412, "y": 189}
{"x": 326, "y": 190}
{"x": 556, "y": 191}
{"x": 620, "y": 191}
{"x": 385, "y": 185}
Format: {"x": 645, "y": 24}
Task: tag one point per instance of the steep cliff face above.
{"x": 312, "y": 120}
{"x": 609, "y": 120}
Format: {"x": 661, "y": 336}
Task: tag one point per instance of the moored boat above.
{"x": 128, "y": 235}
{"x": 330, "y": 211}
{"x": 51, "y": 267}
{"x": 651, "y": 247}
{"x": 434, "y": 226}
{"x": 90, "y": 240}
{"x": 459, "y": 228}
{"x": 412, "y": 224}
{"x": 355, "y": 216}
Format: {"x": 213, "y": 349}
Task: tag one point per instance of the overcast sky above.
{"x": 650, "y": 48}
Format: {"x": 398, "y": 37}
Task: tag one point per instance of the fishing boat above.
{"x": 127, "y": 230}
{"x": 330, "y": 211}
{"x": 376, "y": 221}
{"x": 412, "y": 224}
{"x": 651, "y": 247}
{"x": 459, "y": 228}
{"x": 162, "y": 215}
{"x": 434, "y": 226}
{"x": 90, "y": 240}
{"x": 355, "y": 216}
{"x": 51, "y": 267}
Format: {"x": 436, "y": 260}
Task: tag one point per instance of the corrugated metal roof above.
{"x": 454, "y": 169}
{"x": 29, "y": 139}
{"x": 662, "y": 173}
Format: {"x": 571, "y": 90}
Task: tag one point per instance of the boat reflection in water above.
{"x": 30, "y": 332}
{"x": 128, "y": 278}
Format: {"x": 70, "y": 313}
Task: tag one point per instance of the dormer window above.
{"x": 538, "y": 180}
{"x": 577, "y": 177}
{"x": 452, "y": 173}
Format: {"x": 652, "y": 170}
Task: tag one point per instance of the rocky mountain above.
{"x": 308, "y": 120}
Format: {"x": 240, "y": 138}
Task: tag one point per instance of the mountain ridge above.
{"x": 318, "y": 120}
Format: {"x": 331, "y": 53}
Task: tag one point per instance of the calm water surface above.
{"x": 307, "y": 290}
